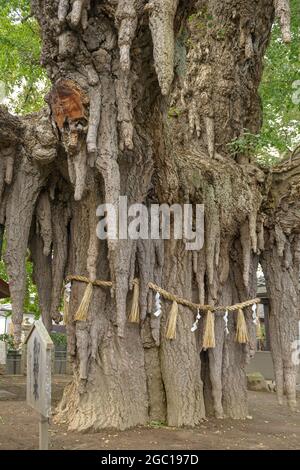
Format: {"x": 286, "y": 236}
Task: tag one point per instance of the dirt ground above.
{"x": 268, "y": 427}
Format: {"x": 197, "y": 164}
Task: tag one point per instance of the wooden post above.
{"x": 39, "y": 347}
{"x": 43, "y": 432}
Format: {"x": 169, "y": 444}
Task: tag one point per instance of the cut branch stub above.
{"x": 68, "y": 103}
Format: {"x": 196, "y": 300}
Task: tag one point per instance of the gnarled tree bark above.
{"x": 146, "y": 97}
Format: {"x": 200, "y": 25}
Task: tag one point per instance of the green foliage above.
{"x": 281, "y": 132}
{"x": 246, "y": 144}
{"x": 157, "y": 424}
{"x": 3, "y": 275}
{"x": 59, "y": 339}
{"x": 9, "y": 340}
{"x": 174, "y": 112}
{"x": 194, "y": 17}
{"x": 31, "y": 304}
{"x": 253, "y": 146}
{"x": 26, "y": 83}
{"x": 202, "y": 20}
{"x": 20, "y": 45}
{"x": 3, "y": 272}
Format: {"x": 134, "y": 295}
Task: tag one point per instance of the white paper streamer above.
{"x": 157, "y": 312}
{"x": 254, "y": 314}
{"x": 195, "y": 325}
{"x": 226, "y": 322}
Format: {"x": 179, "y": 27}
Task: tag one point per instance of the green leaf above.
{"x": 24, "y": 79}
{"x": 281, "y": 131}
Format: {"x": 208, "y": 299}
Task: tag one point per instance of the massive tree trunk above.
{"x": 146, "y": 97}
{"x": 280, "y": 262}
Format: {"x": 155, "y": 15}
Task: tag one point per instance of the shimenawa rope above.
{"x": 134, "y": 316}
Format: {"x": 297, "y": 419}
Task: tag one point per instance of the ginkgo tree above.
{"x": 26, "y": 82}
{"x": 154, "y": 101}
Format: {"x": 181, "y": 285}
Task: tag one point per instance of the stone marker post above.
{"x": 39, "y": 347}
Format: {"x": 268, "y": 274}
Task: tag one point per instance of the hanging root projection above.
{"x": 93, "y": 249}
{"x": 60, "y": 219}
{"x": 19, "y": 211}
{"x": 63, "y": 9}
{"x": 210, "y": 134}
{"x": 9, "y": 156}
{"x": 126, "y": 18}
{"x": 94, "y": 121}
{"x": 124, "y": 99}
{"x": 246, "y": 247}
{"x": 43, "y": 219}
{"x": 42, "y": 276}
{"x": 283, "y": 12}
{"x": 126, "y": 21}
{"x": 162, "y": 14}
{"x": 80, "y": 166}
{"x": 77, "y": 12}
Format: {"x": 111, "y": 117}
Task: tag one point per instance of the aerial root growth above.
{"x": 283, "y": 12}
{"x": 162, "y": 16}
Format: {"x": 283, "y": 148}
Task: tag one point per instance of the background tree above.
{"x": 280, "y": 131}
{"x": 146, "y": 97}
{"x": 24, "y": 84}
{"x": 24, "y": 79}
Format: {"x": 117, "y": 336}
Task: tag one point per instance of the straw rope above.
{"x": 174, "y": 298}
{"x": 88, "y": 281}
{"x": 171, "y": 297}
{"x": 242, "y": 305}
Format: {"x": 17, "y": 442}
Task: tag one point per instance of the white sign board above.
{"x": 2, "y": 353}
{"x": 39, "y": 346}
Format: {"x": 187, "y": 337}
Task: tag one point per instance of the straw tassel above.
{"x": 209, "y": 340}
{"x": 172, "y": 321}
{"x": 134, "y": 316}
{"x": 83, "y": 309}
{"x": 241, "y": 328}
